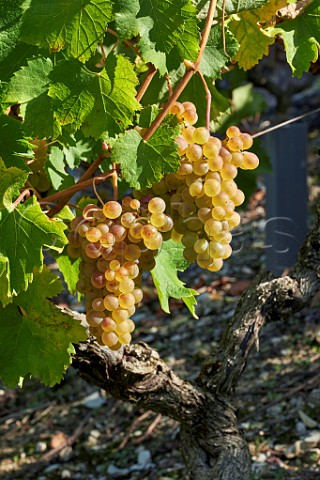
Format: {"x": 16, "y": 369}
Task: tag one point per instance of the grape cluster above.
{"x": 194, "y": 206}
{"x": 203, "y": 193}
{"x": 116, "y": 243}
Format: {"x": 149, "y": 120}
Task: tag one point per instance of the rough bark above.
{"x": 211, "y": 440}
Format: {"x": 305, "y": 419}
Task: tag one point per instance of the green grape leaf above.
{"x": 69, "y": 267}
{"x": 11, "y": 143}
{"x": 76, "y": 25}
{"x": 169, "y": 261}
{"x": 254, "y": 42}
{"x": 301, "y": 38}
{"x": 144, "y": 163}
{"x": 36, "y": 336}
{"x": 148, "y": 48}
{"x": 24, "y": 230}
{"x": 188, "y": 39}
{"x": 12, "y": 179}
{"x": 168, "y": 18}
{"x": 234, "y": 6}
{"x": 79, "y": 148}
{"x": 102, "y": 103}
{"x": 5, "y": 297}
{"x": 29, "y": 87}
{"x": 55, "y": 168}
{"x": 214, "y": 58}
{"x": 10, "y": 13}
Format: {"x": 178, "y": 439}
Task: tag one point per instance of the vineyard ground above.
{"x": 74, "y": 431}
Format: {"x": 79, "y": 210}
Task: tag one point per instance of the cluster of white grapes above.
{"x": 203, "y": 193}
{"x": 194, "y": 206}
{"x": 116, "y": 243}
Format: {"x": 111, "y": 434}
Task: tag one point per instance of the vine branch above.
{"x": 191, "y": 69}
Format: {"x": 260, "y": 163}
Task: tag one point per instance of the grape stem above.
{"x": 146, "y": 82}
{"x": 115, "y": 182}
{"x": 208, "y": 99}
{"x": 25, "y": 193}
{"x": 191, "y": 69}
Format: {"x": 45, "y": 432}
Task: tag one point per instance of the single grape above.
{"x": 126, "y": 285}
{"x": 233, "y": 132}
{"x": 212, "y": 227}
{"x": 238, "y": 198}
{"x": 126, "y": 300}
{"x": 194, "y": 152}
{"x": 176, "y": 109}
{"x": 237, "y": 159}
{"x": 138, "y": 295}
{"x": 109, "y": 339}
{"x": 156, "y": 205}
{"x": 98, "y": 279}
{"x": 108, "y": 324}
{"x": 247, "y": 140}
{"x": 182, "y": 144}
{"x": 216, "y": 249}
{"x": 153, "y": 243}
{"x": 228, "y": 171}
{"x": 107, "y": 240}
{"x": 125, "y": 339}
{"x": 204, "y": 213}
{"x": 200, "y": 135}
{"x": 218, "y": 213}
{"x": 93, "y": 250}
{"x": 132, "y": 252}
{"x": 189, "y": 238}
{"x": 250, "y": 161}
{"x": 211, "y": 187}
{"x": 94, "y": 318}
{"x": 98, "y": 305}
{"x": 190, "y": 116}
{"x": 112, "y": 209}
{"x": 201, "y": 245}
{"x": 235, "y": 144}
{"x": 128, "y": 219}
{"x": 111, "y": 302}
{"x": 216, "y": 265}
{"x": 120, "y": 315}
{"x": 201, "y": 167}
{"x": 187, "y": 134}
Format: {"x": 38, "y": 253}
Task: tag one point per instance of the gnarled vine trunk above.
{"x": 211, "y": 441}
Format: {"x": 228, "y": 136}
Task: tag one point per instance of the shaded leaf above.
{"x": 169, "y": 261}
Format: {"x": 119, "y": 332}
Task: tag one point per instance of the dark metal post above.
{"x": 287, "y": 194}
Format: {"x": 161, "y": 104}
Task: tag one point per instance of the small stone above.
{"x": 40, "y": 447}
{"x": 301, "y": 429}
{"x": 311, "y": 440}
{"x": 308, "y": 421}
{"x": 314, "y": 397}
{"x": 94, "y": 400}
{"x": 261, "y": 458}
{"x": 275, "y": 410}
{"x": 66, "y": 473}
{"x": 117, "y": 472}
{"x": 293, "y": 450}
{"x": 144, "y": 458}
{"x": 51, "y": 468}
